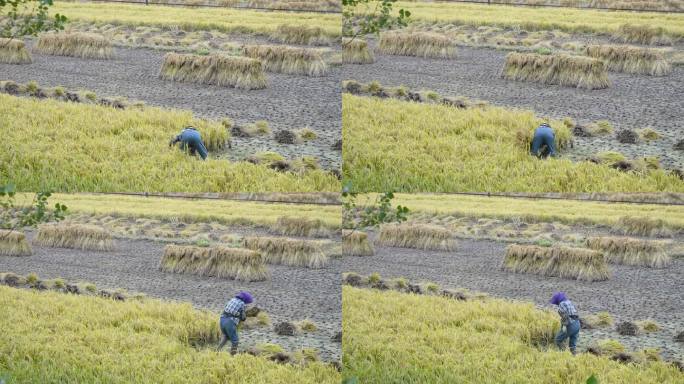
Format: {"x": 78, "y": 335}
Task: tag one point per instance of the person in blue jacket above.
{"x": 544, "y": 142}
{"x": 191, "y": 140}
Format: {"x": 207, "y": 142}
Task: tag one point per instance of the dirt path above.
{"x": 631, "y": 294}
{"x": 291, "y": 294}
{"x": 289, "y": 102}
{"x": 633, "y": 101}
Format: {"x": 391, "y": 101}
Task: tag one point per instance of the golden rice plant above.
{"x": 13, "y": 51}
{"x": 355, "y": 243}
{"x": 223, "y": 262}
{"x": 419, "y": 236}
{"x": 13, "y": 243}
{"x": 294, "y": 252}
{"x": 290, "y": 60}
{"x": 566, "y": 262}
{"x": 300, "y": 34}
{"x": 630, "y": 59}
{"x": 421, "y": 44}
{"x": 222, "y": 70}
{"x": 629, "y": 251}
{"x": 170, "y": 332}
{"x": 300, "y": 226}
{"x": 75, "y": 44}
{"x": 77, "y": 236}
{"x": 356, "y": 51}
{"x": 641, "y": 226}
{"x": 560, "y": 69}
{"x": 642, "y": 34}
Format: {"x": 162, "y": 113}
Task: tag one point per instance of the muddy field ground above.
{"x": 631, "y": 294}
{"x": 632, "y": 102}
{"x": 292, "y": 293}
{"x": 289, "y": 102}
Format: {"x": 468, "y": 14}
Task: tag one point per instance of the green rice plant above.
{"x": 411, "y": 147}
{"x": 355, "y": 243}
{"x": 13, "y": 243}
{"x": 629, "y": 59}
{"x": 641, "y": 226}
{"x": 566, "y": 262}
{"x": 170, "y": 332}
{"x": 294, "y": 252}
{"x": 221, "y": 70}
{"x": 642, "y": 34}
{"x": 300, "y": 226}
{"x": 419, "y": 236}
{"x": 128, "y": 153}
{"x": 75, "y": 44}
{"x": 356, "y": 51}
{"x": 222, "y": 262}
{"x": 648, "y": 326}
{"x": 560, "y": 69}
{"x": 454, "y": 341}
{"x": 289, "y": 60}
{"x": 421, "y": 44}
{"x": 13, "y": 51}
{"x": 77, "y": 236}
{"x": 625, "y": 250}
{"x": 300, "y": 34}
{"x": 649, "y": 134}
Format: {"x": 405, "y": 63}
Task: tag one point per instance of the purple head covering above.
{"x": 245, "y": 296}
{"x": 558, "y": 297}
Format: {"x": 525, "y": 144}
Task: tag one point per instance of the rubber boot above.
{"x": 233, "y": 349}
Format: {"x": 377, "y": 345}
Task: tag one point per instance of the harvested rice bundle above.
{"x": 14, "y": 51}
{"x": 560, "y": 69}
{"x": 77, "y": 236}
{"x": 83, "y": 45}
{"x": 573, "y": 263}
{"x": 290, "y": 60}
{"x": 625, "y": 250}
{"x": 300, "y": 226}
{"x": 355, "y": 243}
{"x": 629, "y": 59}
{"x": 641, "y": 226}
{"x": 356, "y": 52}
{"x": 300, "y": 34}
{"x": 224, "y": 262}
{"x": 13, "y": 243}
{"x": 642, "y": 34}
{"x": 419, "y": 236}
{"x": 421, "y": 44}
{"x": 279, "y": 250}
{"x": 231, "y": 71}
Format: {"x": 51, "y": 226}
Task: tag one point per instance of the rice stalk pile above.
{"x": 641, "y": 226}
{"x": 290, "y": 60}
{"x": 76, "y": 44}
{"x": 13, "y": 243}
{"x": 300, "y": 226}
{"x": 641, "y": 34}
{"x": 77, "y": 236}
{"x": 630, "y": 59}
{"x": 356, "y": 51}
{"x": 293, "y": 252}
{"x": 559, "y": 69}
{"x": 420, "y": 44}
{"x": 355, "y": 243}
{"x": 418, "y": 236}
{"x": 13, "y": 51}
{"x": 224, "y": 262}
{"x": 566, "y": 262}
{"x": 228, "y": 71}
{"x": 629, "y": 251}
{"x": 300, "y": 34}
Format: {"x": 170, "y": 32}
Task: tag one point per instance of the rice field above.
{"x": 649, "y": 5}
{"x": 75, "y": 147}
{"x": 455, "y": 341}
{"x": 99, "y": 340}
{"x": 410, "y": 147}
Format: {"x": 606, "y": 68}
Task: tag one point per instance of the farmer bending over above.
{"x": 231, "y": 316}
{"x": 570, "y": 323}
{"x": 544, "y": 137}
{"x": 191, "y": 139}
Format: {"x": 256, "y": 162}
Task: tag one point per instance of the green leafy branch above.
{"x": 12, "y": 218}
{"x": 27, "y": 18}
{"x": 364, "y": 17}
